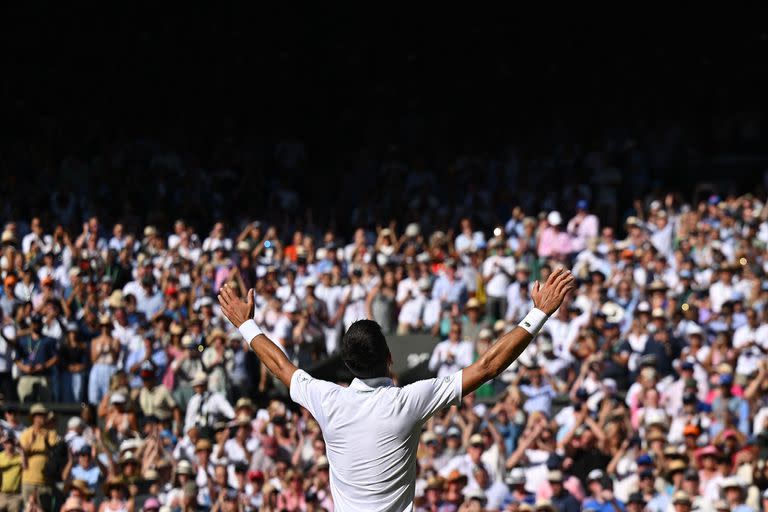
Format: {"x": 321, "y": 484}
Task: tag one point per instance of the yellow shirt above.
{"x": 10, "y": 467}
{"x": 37, "y": 454}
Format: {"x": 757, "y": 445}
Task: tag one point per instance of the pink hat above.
{"x": 707, "y": 450}
{"x": 151, "y": 504}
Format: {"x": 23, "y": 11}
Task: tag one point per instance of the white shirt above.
{"x": 464, "y": 465}
{"x": 463, "y": 242}
{"x": 354, "y": 296}
{"x": 501, "y": 268}
{"x": 45, "y": 243}
{"x": 462, "y": 352}
{"x": 372, "y": 431}
{"x": 211, "y": 244}
{"x": 214, "y": 405}
{"x": 749, "y": 357}
{"x": 719, "y": 293}
{"x": 7, "y": 334}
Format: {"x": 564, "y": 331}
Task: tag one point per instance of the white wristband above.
{"x": 249, "y": 330}
{"x": 533, "y": 321}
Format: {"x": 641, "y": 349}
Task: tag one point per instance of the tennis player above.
{"x": 372, "y": 428}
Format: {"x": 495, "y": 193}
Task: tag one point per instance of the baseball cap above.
{"x": 476, "y": 440}
{"x": 453, "y": 432}
{"x": 516, "y": 477}
{"x": 644, "y": 460}
{"x": 595, "y": 474}
{"x": 726, "y": 379}
{"x": 428, "y": 437}
{"x": 691, "y": 430}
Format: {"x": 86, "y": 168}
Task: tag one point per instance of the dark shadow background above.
{"x": 148, "y": 113}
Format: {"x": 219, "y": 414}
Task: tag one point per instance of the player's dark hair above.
{"x": 364, "y": 350}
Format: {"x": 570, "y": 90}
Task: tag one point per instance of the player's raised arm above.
{"x": 241, "y": 315}
{"x": 546, "y": 299}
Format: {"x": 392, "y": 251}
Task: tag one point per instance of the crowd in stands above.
{"x": 646, "y": 390}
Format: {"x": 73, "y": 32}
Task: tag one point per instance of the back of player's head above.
{"x": 364, "y": 350}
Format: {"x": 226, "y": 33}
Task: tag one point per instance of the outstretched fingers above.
{"x": 554, "y": 275}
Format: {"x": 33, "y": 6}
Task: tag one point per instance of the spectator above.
{"x": 452, "y": 354}
{"x": 105, "y": 351}
{"x": 36, "y": 356}
{"x": 36, "y": 443}
{"x": 583, "y": 227}
{"x": 10, "y": 475}
{"x": 205, "y": 405}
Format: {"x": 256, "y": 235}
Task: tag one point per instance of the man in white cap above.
{"x": 466, "y": 462}
{"x": 205, "y": 406}
{"x": 733, "y": 489}
{"x": 372, "y": 428}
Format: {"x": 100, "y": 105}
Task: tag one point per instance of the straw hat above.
{"x": 114, "y": 482}
{"x": 38, "y": 408}
{"x": 216, "y": 333}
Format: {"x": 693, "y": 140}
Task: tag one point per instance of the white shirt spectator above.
{"x": 8, "y": 334}
{"x": 448, "y": 357}
{"x": 464, "y": 465}
{"x": 405, "y": 287}
{"x": 411, "y": 312}
{"x": 464, "y": 243}
{"x": 719, "y": 293}
{"x": 45, "y": 243}
{"x": 212, "y": 243}
{"x": 501, "y": 268}
{"x": 201, "y": 409}
{"x": 750, "y": 356}
{"x": 354, "y": 296}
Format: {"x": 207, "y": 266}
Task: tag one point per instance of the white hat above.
{"x": 200, "y": 379}
{"x": 130, "y": 444}
{"x": 118, "y": 398}
{"x": 485, "y": 333}
{"x": 412, "y": 230}
{"x": 732, "y": 481}
{"x": 655, "y": 418}
{"x": 310, "y": 281}
{"x": 516, "y": 477}
{"x": 644, "y": 307}
{"x": 184, "y": 467}
{"x": 595, "y": 474}
{"x": 554, "y": 218}
{"x": 475, "y": 493}
{"x": 74, "y": 422}
{"x": 613, "y": 312}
